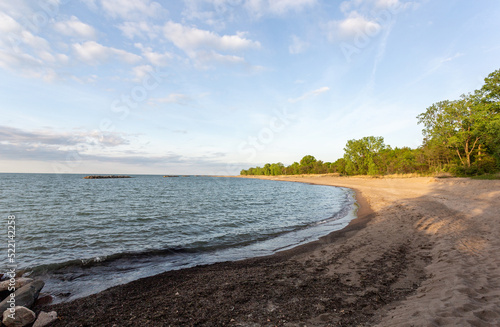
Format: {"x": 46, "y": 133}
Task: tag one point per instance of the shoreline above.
{"x": 363, "y": 215}
{"x": 421, "y": 251}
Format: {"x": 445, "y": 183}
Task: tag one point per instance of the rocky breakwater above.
{"x": 19, "y": 295}
{"x": 105, "y": 176}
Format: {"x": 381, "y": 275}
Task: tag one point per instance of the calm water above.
{"x": 82, "y": 236}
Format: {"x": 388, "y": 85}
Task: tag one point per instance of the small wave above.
{"x": 236, "y": 241}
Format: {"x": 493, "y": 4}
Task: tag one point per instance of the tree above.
{"x": 490, "y": 98}
{"x": 360, "y": 155}
{"x": 490, "y": 91}
{"x": 338, "y": 166}
{"x": 459, "y": 124}
{"x": 277, "y": 169}
{"x": 307, "y": 164}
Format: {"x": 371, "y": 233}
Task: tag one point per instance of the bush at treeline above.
{"x": 460, "y": 136}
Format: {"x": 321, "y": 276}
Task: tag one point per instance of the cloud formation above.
{"x": 142, "y": 29}
{"x": 191, "y": 38}
{"x": 364, "y": 18}
{"x": 40, "y": 138}
{"x": 69, "y": 152}
{"x": 352, "y": 26}
{"x": 94, "y": 53}
{"x": 74, "y": 27}
{"x": 277, "y": 7}
{"x": 205, "y": 46}
{"x": 127, "y": 9}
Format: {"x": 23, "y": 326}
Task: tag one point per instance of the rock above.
{"x": 18, "y": 316}
{"x": 43, "y": 299}
{"x": 19, "y": 282}
{"x": 25, "y": 296}
{"x": 105, "y": 176}
{"x": 45, "y": 318}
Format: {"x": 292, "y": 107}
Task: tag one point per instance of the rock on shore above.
{"x": 25, "y": 296}
{"x": 20, "y": 316}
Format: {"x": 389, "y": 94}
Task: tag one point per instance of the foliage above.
{"x": 461, "y": 137}
{"x": 360, "y": 155}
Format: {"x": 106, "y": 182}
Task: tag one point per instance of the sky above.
{"x": 216, "y": 86}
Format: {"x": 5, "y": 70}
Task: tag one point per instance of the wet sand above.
{"x": 422, "y": 252}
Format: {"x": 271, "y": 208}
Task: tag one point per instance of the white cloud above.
{"x": 16, "y": 136}
{"x": 35, "y": 41}
{"x": 94, "y": 53}
{"x": 191, "y": 38}
{"x": 141, "y": 71}
{"x": 9, "y": 60}
{"x": 282, "y": 6}
{"x": 8, "y": 25}
{"x": 74, "y": 27}
{"x": 218, "y": 12}
{"x": 279, "y": 7}
{"x": 26, "y": 53}
{"x": 27, "y": 66}
{"x": 140, "y": 29}
{"x": 310, "y": 94}
{"x": 212, "y": 12}
{"x": 155, "y": 58}
{"x": 204, "y": 46}
{"x": 212, "y": 56}
{"x": 387, "y": 3}
{"x": 352, "y": 26}
{"x": 349, "y": 5}
{"x": 297, "y": 46}
{"x": 129, "y": 9}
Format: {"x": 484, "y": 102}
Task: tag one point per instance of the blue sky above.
{"x": 215, "y": 86}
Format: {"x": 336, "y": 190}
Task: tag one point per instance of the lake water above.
{"x": 82, "y": 236}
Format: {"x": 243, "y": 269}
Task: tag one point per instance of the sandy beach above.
{"x": 422, "y": 252}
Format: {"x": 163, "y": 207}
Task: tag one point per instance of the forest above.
{"x": 460, "y": 137}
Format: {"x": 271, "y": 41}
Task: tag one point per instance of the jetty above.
{"x": 105, "y": 176}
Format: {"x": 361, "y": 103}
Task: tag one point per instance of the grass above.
{"x": 487, "y": 176}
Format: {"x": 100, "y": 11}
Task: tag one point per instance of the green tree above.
{"x": 277, "y": 169}
{"x": 489, "y": 95}
{"x": 307, "y": 164}
{"x": 338, "y": 166}
{"x": 360, "y": 155}
{"x": 460, "y": 125}
{"x": 490, "y": 91}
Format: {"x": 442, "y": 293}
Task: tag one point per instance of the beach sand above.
{"x": 422, "y": 252}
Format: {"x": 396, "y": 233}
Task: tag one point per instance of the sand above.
{"x": 423, "y": 252}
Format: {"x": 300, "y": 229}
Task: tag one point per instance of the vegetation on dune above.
{"x": 461, "y": 137}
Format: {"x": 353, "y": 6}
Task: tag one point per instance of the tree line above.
{"x": 461, "y": 137}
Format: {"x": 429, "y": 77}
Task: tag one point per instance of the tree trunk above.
{"x": 461, "y": 160}
{"x": 467, "y": 153}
